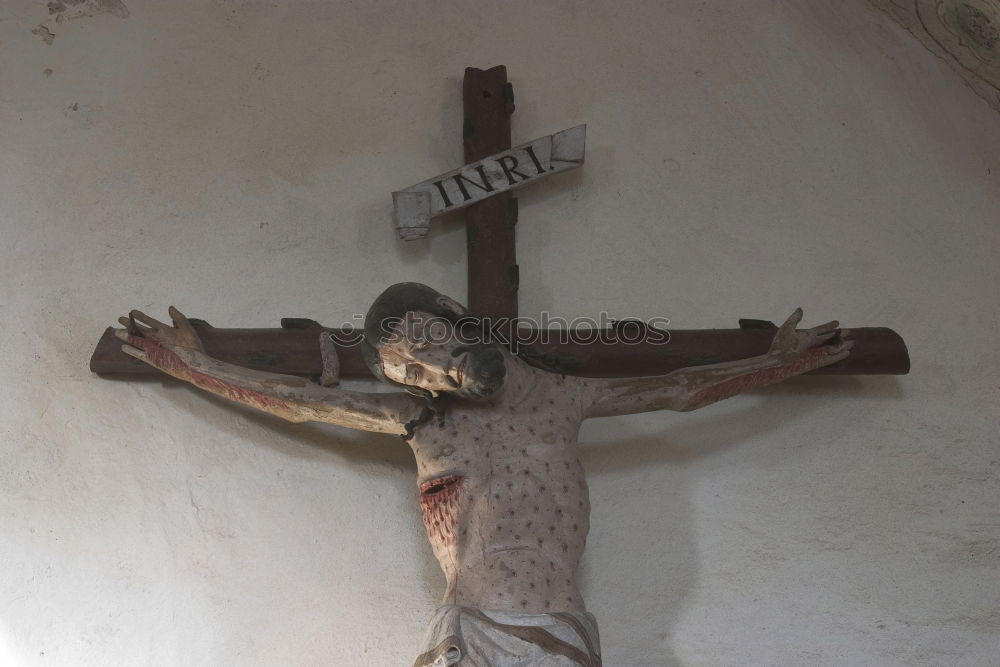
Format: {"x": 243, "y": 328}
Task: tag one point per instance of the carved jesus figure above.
{"x": 494, "y": 433}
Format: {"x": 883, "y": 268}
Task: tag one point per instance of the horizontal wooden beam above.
{"x": 294, "y": 349}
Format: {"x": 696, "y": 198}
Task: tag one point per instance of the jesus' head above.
{"x": 420, "y": 339}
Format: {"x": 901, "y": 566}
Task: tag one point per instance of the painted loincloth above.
{"x": 470, "y": 637}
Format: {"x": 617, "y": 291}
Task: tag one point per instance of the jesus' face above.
{"x": 426, "y": 351}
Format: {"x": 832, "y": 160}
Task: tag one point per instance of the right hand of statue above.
{"x": 825, "y": 343}
{"x": 152, "y": 333}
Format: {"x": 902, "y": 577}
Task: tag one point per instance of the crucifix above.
{"x": 490, "y": 413}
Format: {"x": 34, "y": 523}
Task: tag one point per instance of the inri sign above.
{"x": 509, "y": 169}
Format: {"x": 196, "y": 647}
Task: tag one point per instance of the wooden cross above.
{"x": 488, "y": 102}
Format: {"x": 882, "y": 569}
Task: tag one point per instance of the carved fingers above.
{"x": 131, "y": 342}
{"x": 187, "y": 336}
{"x": 141, "y": 327}
{"x": 784, "y": 340}
{"x": 790, "y": 342}
{"x": 838, "y": 350}
{"x": 817, "y": 335}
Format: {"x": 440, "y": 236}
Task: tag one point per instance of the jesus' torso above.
{"x": 503, "y": 494}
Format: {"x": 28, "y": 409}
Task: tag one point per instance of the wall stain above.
{"x": 963, "y": 33}
{"x": 75, "y": 9}
{"x": 47, "y": 35}
{"x": 977, "y": 25}
{"x": 64, "y": 10}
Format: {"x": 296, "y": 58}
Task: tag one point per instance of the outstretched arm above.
{"x": 792, "y": 353}
{"x": 177, "y": 351}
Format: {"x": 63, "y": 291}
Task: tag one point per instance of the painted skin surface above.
{"x": 510, "y": 521}
{"x": 502, "y": 492}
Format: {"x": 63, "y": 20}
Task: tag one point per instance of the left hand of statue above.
{"x": 789, "y": 344}
{"x": 180, "y": 335}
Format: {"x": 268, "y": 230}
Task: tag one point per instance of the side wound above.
{"x": 439, "y": 508}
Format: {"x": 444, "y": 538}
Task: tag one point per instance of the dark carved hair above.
{"x": 391, "y": 307}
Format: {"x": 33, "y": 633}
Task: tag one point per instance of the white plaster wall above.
{"x": 236, "y": 159}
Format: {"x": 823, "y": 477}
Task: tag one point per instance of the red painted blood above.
{"x": 164, "y": 359}
{"x": 439, "y": 508}
{"x": 808, "y": 360}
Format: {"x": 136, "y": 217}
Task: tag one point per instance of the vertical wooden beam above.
{"x": 488, "y": 102}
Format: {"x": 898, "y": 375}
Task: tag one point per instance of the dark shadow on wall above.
{"x": 662, "y": 554}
